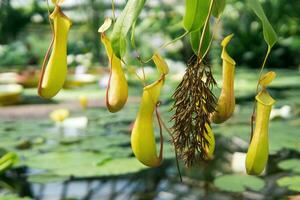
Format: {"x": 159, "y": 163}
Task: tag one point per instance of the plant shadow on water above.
{"x": 96, "y": 162}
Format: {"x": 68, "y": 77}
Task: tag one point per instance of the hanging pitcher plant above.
{"x": 117, "y": 89}
{"x": 257, "y": 155}
{"x": 54, "y": 69}
{"x": 142, "y": 136}
{"x": 226, "y": 102}
{"x": 195, "y": 105}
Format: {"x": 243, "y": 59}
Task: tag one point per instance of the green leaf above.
{"x": 238, "y": 183}
{"x": 12, "y": 197}
{"x": 81, "y": 164}
{"x": 218, "y": 8}
{"x": 46, "y": 178}
{"x": 65, "y": 160}
{"x": 291, "y": 182}
{"x": 132, "y": 39}
{"x": 268, "y": 31}
{"x": 8, "y": 160}
{"x": 196, "y": 12}
{"x": 114, "y": 167}
{"x": 291, "y": 164}
{"x": 123, "y": 24}
{"x": 195, "y": 40}
{"x": 280, "y": 136}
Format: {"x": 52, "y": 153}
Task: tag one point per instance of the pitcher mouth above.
{"x": 58, "y": 11}
{"x": 152, "y": 85}
{"x": 264, "y": 98}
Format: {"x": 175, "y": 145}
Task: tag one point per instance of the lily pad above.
{"x": 117, "y": 152}
{"x": 13, "y": 197}
{"x": 291, "y": 182}
{"x": 115, "y": 167}
{"x": 280, "y": 137}
{"x": 46, "y": 178}
{"x": 238, "y": 183}
{"x": 291, "y": 164}
{"x": 82, "y": 164}
{"x": 65, "y": 160}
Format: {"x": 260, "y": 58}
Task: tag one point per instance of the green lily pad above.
{"x": 117, "y": 151}
{"x": 115, "y": 167}
{"x": 291, "y": 164}
{"x": 64, "y": 160}
{"x": 82, "y": 164}
{"x": 280, "y": 137}
{"x": 238, "y": 183}
{"x": 13, "y": 197}
{"x": 46, "y": 178}
{"x": 104, "y": 141}
{"x": 291, "y": 182}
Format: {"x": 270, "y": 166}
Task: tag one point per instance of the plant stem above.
{"x": 170, "y": 133}
{"x": 204, "y": 30}
{"x": 210, "y": 42}
{"x": 145, "y": 61}
{"x": 263, "y": 66}
{"x": 113, "y": 10}
{"x": 257, "y": 87}
{"x": 175, "y": 40}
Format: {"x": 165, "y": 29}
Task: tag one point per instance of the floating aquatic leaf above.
{"x": 46, "y": 178}
{"x": 13, "y": 197}
{"x": 113, "y": 167}
{"x": 238, "y": 183}
{"x": 291, "y": 182}
{"x": 117, "y": 151}
{"x": 281, "y": 137}
{"x": 291, "y": 164}
{"x": 64, "y": 160}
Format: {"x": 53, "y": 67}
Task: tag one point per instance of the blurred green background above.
{"x": 25, "y": 32}
{"x": 87, "y": 155}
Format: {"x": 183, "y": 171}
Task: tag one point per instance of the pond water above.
{"x": 96, "y": 161}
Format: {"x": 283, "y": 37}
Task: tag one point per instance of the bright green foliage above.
{"x": 269, "y": 33}
{"x": 195, "y": 14}
{"x": 218, "y": 7}
{"x": 13, "y": 197}
{"x": 195, "y": 40}
{"x": 123, "y": 24}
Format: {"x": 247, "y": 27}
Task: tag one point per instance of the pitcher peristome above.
{"x": 117, "y": 89}
{"x": 54, "y": 73}
{"x": 226, "y": 102}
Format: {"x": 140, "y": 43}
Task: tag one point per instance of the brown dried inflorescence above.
{"x": 194, "y": 103}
